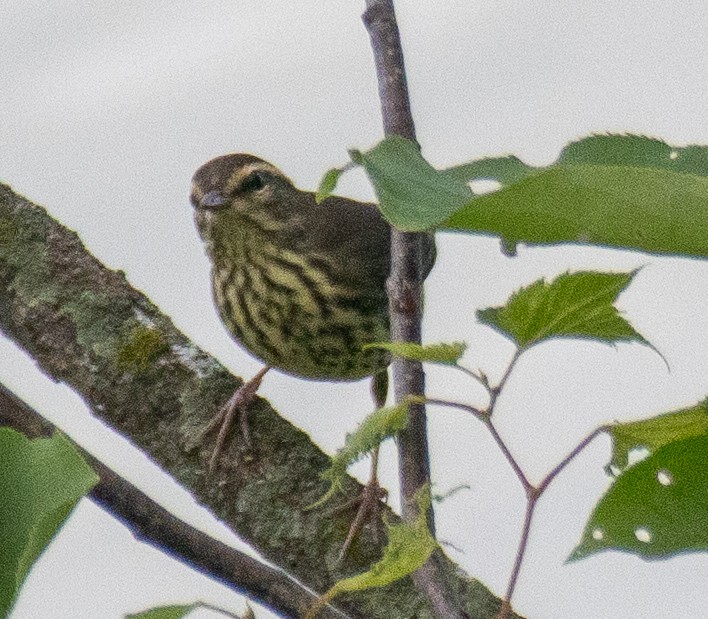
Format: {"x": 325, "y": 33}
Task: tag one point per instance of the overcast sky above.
{"x": 108, "y": 108}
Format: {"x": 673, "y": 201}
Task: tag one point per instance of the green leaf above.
{"x": 443, "y": 353}
{"x": 656, "y": 508}
{"x": 328, "y": 184}
{"x": 176, "y": 611}
{"x": 409, "y": 547}
{"x": 505, "y": 170}
{"x": 41, "y": 481}
{"x": 577, "y": 305}
{"x": 383, "y": 423}
{"x": 622, "y": 191}
{"x": 412, "y": 195}
{"x": 656, "y": 432}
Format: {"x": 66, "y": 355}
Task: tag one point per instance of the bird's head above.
{"x": 242, "y": 191}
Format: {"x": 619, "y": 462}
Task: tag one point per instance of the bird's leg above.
{"x": 370, "y": 499}
{"x": 369, "y": 505}
{"x": 237, "y": 405}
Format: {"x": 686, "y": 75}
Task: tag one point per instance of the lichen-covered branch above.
{"x": 87, "y": 327}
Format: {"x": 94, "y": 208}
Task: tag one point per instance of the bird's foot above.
{"x": 369, "y": 502}
{"x": 236, "y": 406}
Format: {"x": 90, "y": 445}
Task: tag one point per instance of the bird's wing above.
{"x": 354, "y": 236}
{"x": 353, "y": 239}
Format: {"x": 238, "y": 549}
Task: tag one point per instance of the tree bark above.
{"x": 87, "y": 327}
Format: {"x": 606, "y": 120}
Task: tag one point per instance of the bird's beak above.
{"x": 212, "y": 201}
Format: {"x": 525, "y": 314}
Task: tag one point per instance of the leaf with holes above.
{"x": 577, "y": 305}
{"x": 656, "y": 508}
{"x": 623, "y": 191}
{"x": 656, "y": 432}
{"x": 412, "y": 195}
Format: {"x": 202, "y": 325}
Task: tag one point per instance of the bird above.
{"x": 299, "y": 284}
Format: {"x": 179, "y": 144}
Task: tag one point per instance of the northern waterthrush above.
{"x": 300, "y": 285}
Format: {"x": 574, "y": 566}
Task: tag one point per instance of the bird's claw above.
{"x": 369, "y": 502}
{"x": 237, "y": 405}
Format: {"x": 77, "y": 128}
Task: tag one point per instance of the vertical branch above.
{"x": 404, "y": 284}
{"x": 380, "y": 20}
{"x": 405, "y": 295}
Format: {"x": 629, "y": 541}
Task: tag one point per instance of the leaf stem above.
{"x": 495, "y": 392}
{"x": 480, "y": 378}
{"x": 563, "y": 463}
{"x": 450, "y": 404}
{"x": 508, "y": 455}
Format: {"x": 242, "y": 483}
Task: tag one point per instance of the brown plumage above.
{"x": 300, "y": 285}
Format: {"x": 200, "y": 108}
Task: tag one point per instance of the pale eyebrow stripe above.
{"x": 238, "y": 176}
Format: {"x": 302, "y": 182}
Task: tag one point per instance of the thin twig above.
{"x": 563, "y": 463}
{"x": 480, "y": 378}
{"x": 520, "y": 551}
{"x": 448, "y": 403}
{"x": 496, "y": 391}
{"x": 405, "y": 296}
{"x": 533, "y": 494}
{"x": 507, "y": 454}
{"x": 153, "y": 524}
{"x": 483, "y": 416}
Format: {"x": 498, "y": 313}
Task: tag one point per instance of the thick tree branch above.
{"x": 405, "y": 292}
{"x": 154, "y": 525}
{"x": 85, "y": 326}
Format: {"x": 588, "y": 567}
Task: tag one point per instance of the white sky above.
{"x": 108, "y": 108}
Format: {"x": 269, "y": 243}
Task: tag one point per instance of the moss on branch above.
{"x": 87, "y": 327}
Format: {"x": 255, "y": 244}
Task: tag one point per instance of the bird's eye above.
{"x": 253, "y": 182}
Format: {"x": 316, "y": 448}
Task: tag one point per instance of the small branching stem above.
{"x": 480, "y": 377}
{"x": 494, "y": 392}
{"x": 533, "y": 493}
{"x": 507, "y": 454}
{"x": 465, "y": 407}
